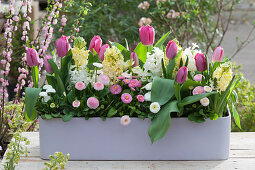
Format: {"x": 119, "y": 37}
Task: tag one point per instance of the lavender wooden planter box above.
{"x": 95, "y": 139}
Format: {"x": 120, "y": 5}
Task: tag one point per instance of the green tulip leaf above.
{"x": 162, "y": 40}
{"x": 60, "y": 85}
{"x": 119, "y": 46}
{"x": 141, "y": 52}
{"x": 162, "y": 121}
{"x": 31, "y": 96}
{"x": 162, "y": 90}
{"x": 194, "y": 98}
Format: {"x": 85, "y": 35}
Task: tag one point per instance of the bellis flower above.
{"x": 125, "y": 120}
{"x": 92, "y": 103}
{"x": 115, "y": 89}
{"x": 126, "y": 98}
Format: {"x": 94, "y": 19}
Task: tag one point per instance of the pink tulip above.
{"x": 32, "y": 57}
{"x": 95, "y": 44}
{"x": 217, "y": 55}
{"x": 171, "y": 50}
{"x": 181, "y": 76}
{"x": 102, "y": 51}
{"x": 134, "y": 57}
{"x": 147, "y": 35}
{"x": 201, "y": 62}
{"x": 47, "y": 66}
{"x": 62, "y": 46}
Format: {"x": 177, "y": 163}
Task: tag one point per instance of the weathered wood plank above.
{"x": 234, "y": 163}
{"x": 242, "y": 156}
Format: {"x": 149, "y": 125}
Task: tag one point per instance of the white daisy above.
{"x": 155, "y": 107}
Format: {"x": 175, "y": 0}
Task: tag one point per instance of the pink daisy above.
{"x": 115, "y": 89}
{"x": 198, "y": 77}
{"x": 126, "y": 81}
{"x": 133, "y": 83}
{"x": 198, "y": 90}
{"x": 76, "y": 103}
{"x": 125, "y": 120}
{"x": 92, "y": 102}
{"x": 98, "y": 86}
{"x": 126, "y": 98}
{"x": 80, "y": 85}
{"x": 140, "y": 98}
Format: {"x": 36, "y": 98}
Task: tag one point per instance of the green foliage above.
{"x": 16, "y": 149}
{"x": 13, "y": 123}
{"x": 245, "y": 105}
{"x": 188, "y": 21}
{"x": 57, "y": 161}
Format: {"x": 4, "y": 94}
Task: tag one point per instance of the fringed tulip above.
{"x": 102, "y": 51}
{"x": 171, "y": 50}
{"x": 147, "y": 35}
{"x": 47, "y": 66}
{"x": 181, "y": 76}
{"x": 134, "y": 57}
{"x": 32, "y": 57}
{"x": 95, "y": 44}
{"x": 201, "y": 62}
{"x": 217, "y": 55}
{"x": 62, "y": 46}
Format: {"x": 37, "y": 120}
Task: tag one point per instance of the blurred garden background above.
{"x": 226, "y": 23}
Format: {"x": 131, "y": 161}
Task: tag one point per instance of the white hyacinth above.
{"x": 191, "y": 53}
{"x": 155, "y": 107}
{"x": 80, "y": 74}
{"x": 152, "y": 66}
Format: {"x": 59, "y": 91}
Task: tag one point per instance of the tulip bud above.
{"x": 134, "y": 57}
{"x": 62, "y": 46}
{"x": 95, "y": 43}
{"x": 102, "y": 51}
{"x": 32, "y": 57}
{"x": 181, "y": 76}
{"x": 147, "y": 35}
{"x": 79, "y": 42}
{"x": 171, "y": 50}
{"x": 217, "y": 54}
{"x": 47, "y": 66}
{"x": 201, "y": 62}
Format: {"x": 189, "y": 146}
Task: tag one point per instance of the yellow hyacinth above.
{"x": 113, "y": 63}
{"x": 223, "y": 74}
{"x": 80, "y": 56}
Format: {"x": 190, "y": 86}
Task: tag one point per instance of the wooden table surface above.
{"x": 242, "y": 156}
